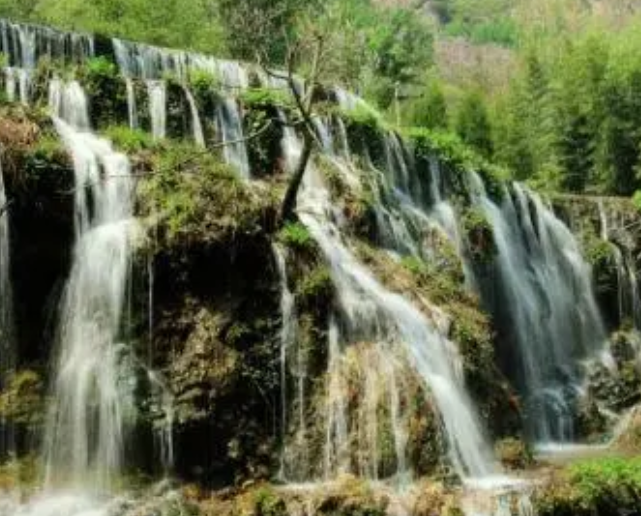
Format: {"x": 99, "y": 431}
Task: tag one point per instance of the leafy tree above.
{"x": 473, "y": 123}
{"x": 429, "y": 109}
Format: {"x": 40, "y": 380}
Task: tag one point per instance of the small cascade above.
{"x": 293, "y": 364}
{"x": 164, "y": 425}
{"x": 548, "y": 318}
{"x": 92, "y": 395}
{"x": 154, "y": 64}
{"x": 24, "y": 45}
{"x": 197, "y": 126}
{"x": 7, "y": 336}
{"x": 629, "y": 302}
{"x": 158, "y": 108}
{"x": 17, "y": 84}
{"x": 229, "y": 124}
{"x": 132, "y": 109}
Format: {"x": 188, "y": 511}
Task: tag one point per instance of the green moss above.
{"x": 198, "y": 197}
{"x": 22, "y": 401}
{"x": 295, "y": 236}
{"x": 316, "y": 288}
{"x": 479, "y": 234}
{"x": 514, "y": 453}
{"x": 636, "y": 199}
{"x": 268, "y": 503}
{"x": 203, "y": 82}
{"x": 458, "y": 160}
{"x": 441, "y": 287}
{"x": 19, "y": 474}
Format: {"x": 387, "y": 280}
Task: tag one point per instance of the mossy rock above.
{"x": 514, "y": 454}
{"x": 22, "y": 400}
{"x": 479, "y": 235}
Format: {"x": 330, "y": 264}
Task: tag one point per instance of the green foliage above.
{"x": 203, "y": 81}
{"x": 173, "y": 23}
{"x": 614, "y": 478}
{"x": 265, "y": 98}
{"x": 316, "y": 288}
{"x": 429, "y": 110}
{"x": 197, "y": 197}
{"x": 473, "y": 124}
{"x": 101, "y": 66}
{"x": 362, "y": 115}
{"x": 129, "y": 140}
{"x": 479, "y": 234}
{"x": 268, "y": 503}
{"x": 609, "y": 485}
{"x": 296, "y": 236}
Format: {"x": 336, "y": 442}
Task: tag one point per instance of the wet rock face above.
{"x": 613, "y": 259}
{"x": 216, "y": 342}
{"x": 39, "y": 186}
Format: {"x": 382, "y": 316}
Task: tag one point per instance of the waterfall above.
{"x": 294, "y": 458}
{"x": 132, "y": 109}
{"x": 629, "y": 302}
{"x": 368, "y": 312}
{"x": 92, "y": 394}
{"x": 24, "y": 45}
{"x": 197, "y": 127}
{"x": 158, "y": 108}
{"x": 7, "y": 336}
{"x": 539, "y": 290}
{"x": 230, "y": 129}
{"x": 153, "y": 64}
{"x": 541, "y": 296}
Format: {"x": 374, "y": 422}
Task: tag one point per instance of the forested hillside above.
{"x": 549, "y": 89}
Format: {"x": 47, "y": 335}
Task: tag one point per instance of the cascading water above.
{"x": 153, "y": 64}
{"x": 7, "y": 340}
{"x": 540, "y": 293}
{"x": 91, "y": 395}
{"x": 629, "y": 302}
{"x": 539, "y": 289}
{"x": 367, "y": 312}
{"x": 24, "y": 45}
{"x": 197, "y": 126}
{"x": 158, "y": 108}
{"x": 294, "y": 458}
{"x": 230, "y": 129}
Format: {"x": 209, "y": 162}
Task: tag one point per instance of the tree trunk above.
{"x": 288, "y": 208}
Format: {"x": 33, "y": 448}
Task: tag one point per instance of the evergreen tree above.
{"x": 473, "y": 124}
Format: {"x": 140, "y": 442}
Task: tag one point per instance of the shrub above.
{"x": 265, "y": 98}
{"x": 129, "y": 140}
{"x": 101, "y": 66}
